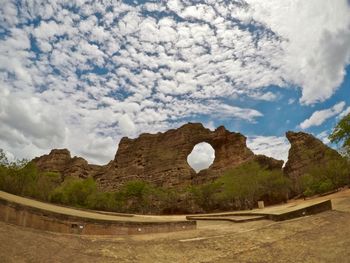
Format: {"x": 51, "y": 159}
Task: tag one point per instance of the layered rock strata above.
{"x": 60, "y": 160}
{"x": 161, "y": 158}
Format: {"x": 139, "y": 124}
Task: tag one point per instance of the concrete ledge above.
{"x": 34, "y": 217}
{"x": 235, "y": 218}
{"x": 276, "y": 213}
{"x": 302, "y": 211}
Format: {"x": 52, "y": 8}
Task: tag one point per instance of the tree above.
{"x": 341, "y": 134}
{"x": 3, "y": 159}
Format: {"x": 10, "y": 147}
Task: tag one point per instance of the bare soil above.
{"x": 318, "y": 238}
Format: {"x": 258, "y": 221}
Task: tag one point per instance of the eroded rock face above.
{"x": 60, "y": 160}
{"x": 161, "y": 158}
{"x": 306, "y": 151}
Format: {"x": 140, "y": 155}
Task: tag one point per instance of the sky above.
{"x": 83, "y": 74}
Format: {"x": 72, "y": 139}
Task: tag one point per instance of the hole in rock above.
{"x": 201, "y": 157}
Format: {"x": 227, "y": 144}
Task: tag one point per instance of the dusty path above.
{"x": 323, "y": 237}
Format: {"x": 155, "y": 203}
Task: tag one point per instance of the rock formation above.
{"x": 306, "y": 151}
{"x": 160, "y": 158}
{"x": 60, "y": 160}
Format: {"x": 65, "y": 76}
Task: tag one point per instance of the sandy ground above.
{"x": 319, "y": 238}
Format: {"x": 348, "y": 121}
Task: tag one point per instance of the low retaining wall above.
{"x": 283, "y": 214}
{"x": 308, "y": 210}
{"x": 32, "y": 217}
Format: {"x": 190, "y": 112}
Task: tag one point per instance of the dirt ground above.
{"x": 323, "y": 237}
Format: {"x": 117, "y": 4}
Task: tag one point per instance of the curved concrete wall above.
{"x": 18, "y": 214}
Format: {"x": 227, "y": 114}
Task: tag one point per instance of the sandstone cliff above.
{"x": 161, "y": 158}
{"x": 60, "y": 160}
{"x": 306, "y": 151}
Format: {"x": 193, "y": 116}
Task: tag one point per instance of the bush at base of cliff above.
{"x": 242, "y": 187}
{"x": 325, "y": 178}
{"x": 74, "y": 191}
{"x": 24, "y": 179}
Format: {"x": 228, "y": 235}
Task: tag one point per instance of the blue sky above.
{"x": 83, "y": 74}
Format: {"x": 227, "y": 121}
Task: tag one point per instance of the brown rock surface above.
{"x": 306, "y": 151}
{"x": 60, "y": 160}
{"x": 161, "y": 158}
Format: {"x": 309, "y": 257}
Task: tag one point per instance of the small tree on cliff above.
{"x": 341, "y": 134}
{"x": 3, "y": 159}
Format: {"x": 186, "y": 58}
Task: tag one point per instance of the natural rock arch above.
{"x": 162, "y": 158}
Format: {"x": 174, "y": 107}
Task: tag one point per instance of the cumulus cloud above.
{"x": 319, "y": 117}
{"x": 323, "y": 136}
{"x": 272, "y": 146}
{"x": 29, "y": 119}
{"x": 126, "y": 125}
{"x": 317, "y": 47}
{"x": 344, "y": 113}
{"x": 201, "y": 157}
{"x": 90, "y": 72}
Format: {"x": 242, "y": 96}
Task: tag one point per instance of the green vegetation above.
{"x": 74, "y": 191}
{"x": 242, "y": 187}
{"x": 239, "y": 188}
{"x": 341, "y": 134}
{"x": 22, "y": 178}
{"x": 328, "y": 177}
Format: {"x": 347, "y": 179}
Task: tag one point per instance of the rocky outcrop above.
{"x": 305, "y": 152}
{"x": 268, "y": 162}
{"x": 161, "y": 158}
{"x": 60, "y": 160}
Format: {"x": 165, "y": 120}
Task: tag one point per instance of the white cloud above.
{"x": 317, "y": 46}
{"x": 291, "y": 101}
{"x": 323, "y": 136}
{"x": 344, "y": 113}
{"x": 201, "y": 157}
{"x": 28, "y": 118}
{"x": 126, "y": 125}
{"x": 272, "y": 146}
{"x": 268, "y": 96}
{"x": 319, "y": 117}
{"x": 107, "y": 69}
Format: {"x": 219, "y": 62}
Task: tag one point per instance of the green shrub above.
{"x": 327, "y": 177}
{"x": 74, "y": 191}
{"x": 242, "y": 187}
{"x": 102, "y": 201}
{"x": 140, "y": 197}
{"x": 206, "y": 196}
{"x": 325, "y": 186}
{"x": 45, "y": 184}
